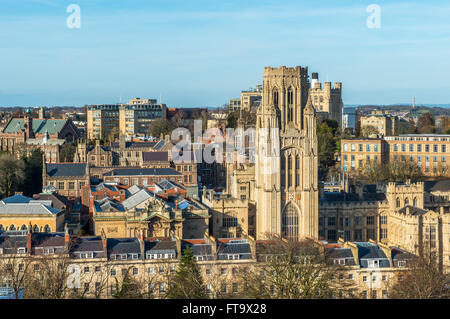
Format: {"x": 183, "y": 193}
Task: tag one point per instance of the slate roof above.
{"x": 30, "y": 208}
{"x": 436, "y": 186}
{"x": 86, "y": 244}
{"x": 39, "y": 126}
{"x": 160, "y": 247}
{"x": 155, "y": 156}
{"x": 58, "y": 201}
{"x": 243, "y": 249}
{"x": 199, "y": 249}
{"x": 352, "y": 197}
{"x": 142, "y": 172}
{"x": 47, "y": 239}
{"x": 123, "y": 246}
{"x": 339, "y": 253}
{"x": 17, "y": 199}
{"x": 135, "y": 144}
{"x": 66, "y": 169}
{"x": 400, "y": 254}
{"x": 12, "y": 242}
{"x": 371, "y": 251}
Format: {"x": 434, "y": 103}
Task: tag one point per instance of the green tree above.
{"x": 33, "y": 173}
{"x": 12, "y": 174}
{"x": 128, "y": 288}
{"x": 232, "y": 119}
{"x": 67, "y": 152}
{"x": 187, "y": 282}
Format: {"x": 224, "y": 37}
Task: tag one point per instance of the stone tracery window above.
{"x": 289, "y": 222}
{"x": 275, "y": 97}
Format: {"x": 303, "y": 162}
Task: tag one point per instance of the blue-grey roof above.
{"x": 339, "y": 253}
{"x": 66, "y": 169}
{"x": 368, "y": 251}
{"x": 143, "y": 172}
{"x": 160, "y": 247}
{"x": 17, "y": 199}
{"x": 123, "y": 246}
{"x": 199, "y": 249}
{"x": 243, "y": 249}
{"x": 86, "y": 244}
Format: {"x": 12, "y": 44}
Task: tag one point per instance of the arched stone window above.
{"x": 24, "y": 227}
{"x": 47, "y": 229}
{"x": 289, "y": 222}
{"x": 297, "y": 170}
{"x": 397, "y": 201}
{"x": 290, "y": 100}
{"x": 2, "y": 228}
{"x": 12, "y": 227}
{"x": 36, "y": 229}
{"x": 289, "y": 171}
{"x": 275, "y": 97}
{"x": 415, "y": 202}
{"x": 283, "y": 169}
{"x": 406, "y": 201}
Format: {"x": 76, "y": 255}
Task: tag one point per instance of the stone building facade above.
{"x": 286, "y": 189}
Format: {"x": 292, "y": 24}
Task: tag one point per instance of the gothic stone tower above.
{"x": 286, "y": 156}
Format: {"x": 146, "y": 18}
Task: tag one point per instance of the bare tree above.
{"x": 15, "y": 270}
{"x": 423, "y": 279}
{"x": 292, "y": 270}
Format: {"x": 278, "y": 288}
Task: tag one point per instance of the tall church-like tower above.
{"x": 286, "y": 158}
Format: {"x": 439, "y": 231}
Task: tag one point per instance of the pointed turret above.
{"x": 309, "y": 108}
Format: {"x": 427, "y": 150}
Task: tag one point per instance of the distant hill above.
{"x": 434, "y": 109}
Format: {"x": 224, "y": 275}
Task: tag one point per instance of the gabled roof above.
{"x": 39, "y": 126}
{"x": 107, "y": 204}
{"x": 133, "y": 189}
{"x": 137, "y": 199}
{"x": 66, "y": 169}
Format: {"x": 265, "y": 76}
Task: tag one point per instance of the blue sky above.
{"x": 201, "y": 53}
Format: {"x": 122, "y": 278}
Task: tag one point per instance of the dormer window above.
{"x": 233, "y": 256}
{"x": 49, "y": 251}
{"x": 21, "y": 250}
{"x": 374, "y": 263}
{"x": 134, "y": 256}
{"x": 401, "y": 263}
{"x": 86, "y": 255}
